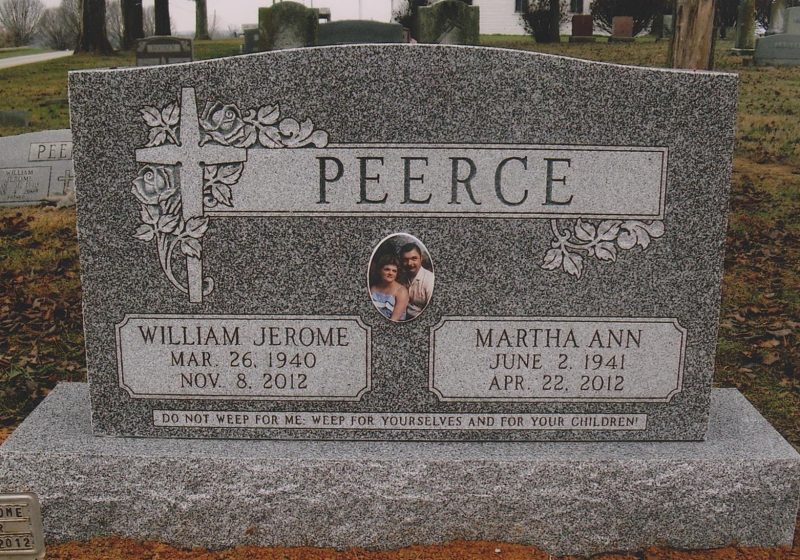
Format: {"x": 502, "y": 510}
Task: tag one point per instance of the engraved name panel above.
{"x": 254, "y": 357}
{"x": 453, "y": 180}
{"x": 574, "y": 359}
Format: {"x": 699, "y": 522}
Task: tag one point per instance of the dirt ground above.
{"x": 125, "y": 549}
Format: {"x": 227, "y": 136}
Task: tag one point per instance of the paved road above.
{"x": 29, "y": 58}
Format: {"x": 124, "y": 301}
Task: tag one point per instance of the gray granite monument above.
{"x": 379, "y": 243}
{"x": 35, "y": 167}
{"x": 576, "y": 284}
{"x": 781, "y": 49}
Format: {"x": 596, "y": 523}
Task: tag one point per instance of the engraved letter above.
{"x": 550, "y": 180}
{"x": 466, "y": 182}
{"x": 498, "y": 180}
{"x": 377, "y": 178}
{"x": 407, "y": 178}
{"x": 323, "y": 176}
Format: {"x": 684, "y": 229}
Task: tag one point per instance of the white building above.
{"x": 497, "y": 16}
{"x": 502, "y": 16}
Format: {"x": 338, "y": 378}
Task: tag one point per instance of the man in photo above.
{"x": 417, "y": 278}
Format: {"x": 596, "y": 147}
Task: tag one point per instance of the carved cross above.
{"x": 66, "y": 180}
{"x": 190, "y": 158}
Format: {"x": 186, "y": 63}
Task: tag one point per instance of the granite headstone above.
{"x": 577, "y": 282}
{"x": 287, "y": 25}
{"x": 249, "y": 38}
{"x": 35, "y": 167}
{"x": 449, "y": 22}
{"x": 359, "y": 31}
{"x": 240, "y": 223}
{"x": 582, "y": 29}
{"x": 160, "y": 49}
{"x": 621, "y": 29}
{"x": 781, "y": 49}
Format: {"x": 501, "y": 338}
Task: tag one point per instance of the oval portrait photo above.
{"x": 400, "y": 277}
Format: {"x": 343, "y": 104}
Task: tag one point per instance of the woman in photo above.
{"x": 388, "y": 295}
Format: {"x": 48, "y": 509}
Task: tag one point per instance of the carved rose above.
{"x": 154, "y": 184}
{"x": 223, "y": 123}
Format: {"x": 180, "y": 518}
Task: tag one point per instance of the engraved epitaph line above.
{"x": 190, "y": 157}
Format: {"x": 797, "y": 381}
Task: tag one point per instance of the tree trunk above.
{"x": 554, "y": 22}
{"x": 92, "y": 37}
{"x": 694, "y": 32}
{"x": 132, "y": 23}
{"x": 162, "y": 17}
{"x": 200, "y": 20}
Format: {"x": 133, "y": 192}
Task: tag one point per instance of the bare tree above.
{"x": 19, "y": 18}
{"x": 114, "y": 24}
{"x": 200, "y": 20}
{"x": 93, "y": 38}
{"x": 59, "y": 27}
{"x": 162, "y": 17}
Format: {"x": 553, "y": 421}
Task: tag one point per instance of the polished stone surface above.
{"x": 548, "y": 190}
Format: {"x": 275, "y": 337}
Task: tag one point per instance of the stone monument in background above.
{"x": 781, "y": 49}
{"x": 449, "y": 22}
{"x": 287, "y": 25}
{"x": 385, "y": 246}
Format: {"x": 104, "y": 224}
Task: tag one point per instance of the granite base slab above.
{"x": 741, "y": 485}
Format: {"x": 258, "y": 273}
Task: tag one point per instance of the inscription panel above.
{"x": 453, "y": 180}
{"x": 238, "y": 357}
{"x": 24, "y": 183}
{"x": 556, "y": 359}
{"x": 397, "y": 421}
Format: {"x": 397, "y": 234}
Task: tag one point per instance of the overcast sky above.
{"x": 234, "y": 13}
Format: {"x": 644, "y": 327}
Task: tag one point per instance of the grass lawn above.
{"x": 41, "y": 340}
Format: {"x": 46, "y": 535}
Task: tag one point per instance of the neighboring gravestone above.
{"x": 449, "y": 22}
{"x": 777, "y": 23}
{"x": 582, "y": 29}
{"x": 287, "y": 25}
{"x": 35, "y": 167}
{"x": 745, "y": 28}
{"x": 152, "y": 51}
{"x": 621, "y": 29}
{"x": 793, "y": 21}
{"x": 242, "y": 224}
{"x": 250, "y": 39}
{"x": 15, "y": 118}
{"x": 782, "y": 49}
{"x": 668, "y": 26}
{"x": 359, "y": 31}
